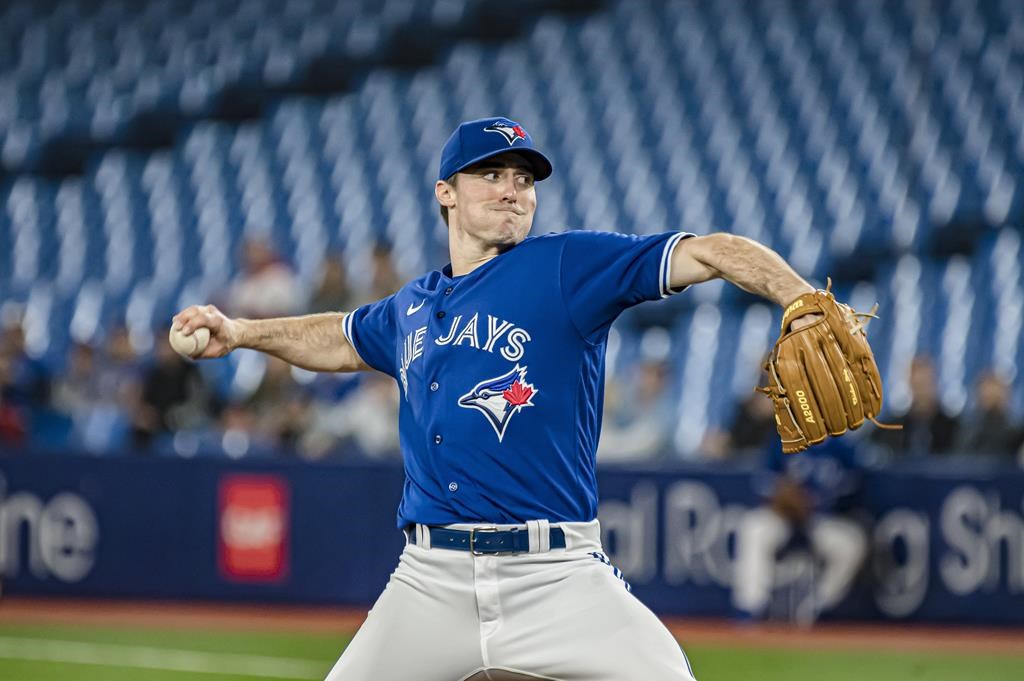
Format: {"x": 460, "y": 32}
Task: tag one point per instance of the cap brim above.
{"x": 542, "y": 167}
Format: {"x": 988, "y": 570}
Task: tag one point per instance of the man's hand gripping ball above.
{"x": 822, "y": 376}
{"x": 203, "y": 332}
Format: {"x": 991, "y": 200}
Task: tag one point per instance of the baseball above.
{"x": 189, "y": 346}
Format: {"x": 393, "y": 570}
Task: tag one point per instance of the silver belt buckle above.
{"x": 472, "y": 542}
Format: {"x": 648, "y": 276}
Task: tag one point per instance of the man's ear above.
{"x": 445, "y": 194}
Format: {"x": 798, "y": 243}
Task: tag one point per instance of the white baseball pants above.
{"x": 560, "y": 614}
{"x": 840, "y": 543}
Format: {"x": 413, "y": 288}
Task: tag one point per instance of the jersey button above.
{"x": 434, "y": 386}
{"x": 440, "y": 314}
{"x": 448, "y": 291}
{"x": 438, "y": 439}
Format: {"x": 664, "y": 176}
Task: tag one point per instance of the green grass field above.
{"x": 50, "y": 653}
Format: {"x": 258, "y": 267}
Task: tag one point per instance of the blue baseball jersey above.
{"x": 501, "y": 373}
{"x": 828, "y": 472}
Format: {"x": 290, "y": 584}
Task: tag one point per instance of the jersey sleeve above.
{"x": 372, "y": 330}
{"x": 603, "y": 273}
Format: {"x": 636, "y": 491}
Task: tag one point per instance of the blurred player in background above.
{"x": 499, "y": 357}
{"x": 807, "y": 502}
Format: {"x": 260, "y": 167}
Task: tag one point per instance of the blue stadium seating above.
{"x": 882, "y": 142}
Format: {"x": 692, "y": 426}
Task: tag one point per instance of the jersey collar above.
{"x": 446, "y": 271}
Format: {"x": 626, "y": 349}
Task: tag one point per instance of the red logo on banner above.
{"x": 253, "y": 532}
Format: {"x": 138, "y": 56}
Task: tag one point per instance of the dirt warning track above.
{"x": 272, "y": 617}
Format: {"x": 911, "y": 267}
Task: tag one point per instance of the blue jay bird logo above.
{"x": 499, "y": 399}
{"x": 507, "y": 129}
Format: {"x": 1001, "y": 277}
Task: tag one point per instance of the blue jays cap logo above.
{"x": 501, "y": 398}
{"x": 480, "y": 139}
{"x": 507, "y": 129}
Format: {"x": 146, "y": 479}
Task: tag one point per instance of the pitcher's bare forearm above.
{"x": 757, "y": 269}
{"x": 315, "y": 342}
{"x": 740, "y": 261}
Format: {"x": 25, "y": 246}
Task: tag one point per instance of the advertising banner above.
{"x": 943, "y": 547}
{"x": 252, "y": 528}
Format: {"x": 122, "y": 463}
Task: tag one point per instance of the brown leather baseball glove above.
{"x": 822, "y": 378}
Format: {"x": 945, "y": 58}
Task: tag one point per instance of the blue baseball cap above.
{"x": 474, "y": 141}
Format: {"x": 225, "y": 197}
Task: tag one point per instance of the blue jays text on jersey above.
{"x": 501, "y": 372}
{"x": 465, "y": 333}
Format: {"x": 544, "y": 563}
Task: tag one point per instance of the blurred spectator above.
{"x": 807, "y": 501}
{"x": 751, "y": 430}
{"x": 639, "y": 425}
{"x": 13, "y": 426}
{"x": 237, "y": 434}
{"x": 103, "y": 395}
{"x": 365, "y": 419}
{"x": 123, "y": 368}
{"x": 75, "y": 389}
{"x": 988, "y": 429}
{"x": 332, "y": 293}
{"x": 266, "y": 287}
{"x": 385, "y": 278}
{"x": 28, "y": 381}
{"x": 926, "y": 427}
{"x": 174, "y": 396}
{"x": 120, "y": 366}
{"x": 280, "y": 406}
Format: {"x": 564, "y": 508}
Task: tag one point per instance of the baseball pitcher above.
{"x": 499, "y": 358}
